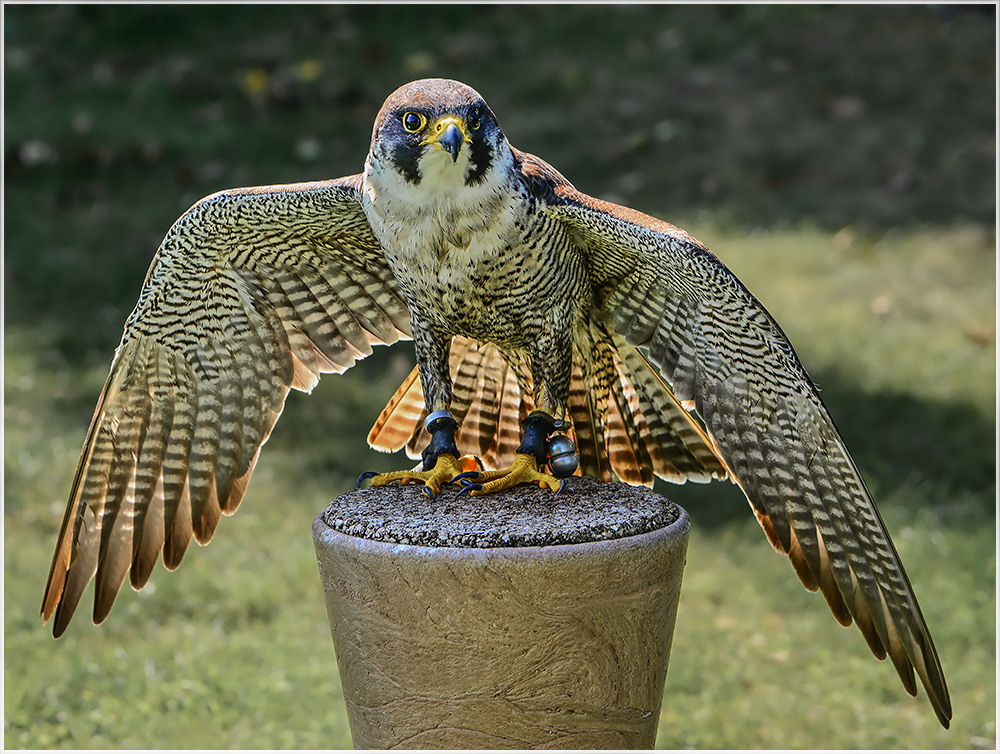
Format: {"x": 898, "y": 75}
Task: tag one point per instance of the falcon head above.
{"x": 438, "y": 134}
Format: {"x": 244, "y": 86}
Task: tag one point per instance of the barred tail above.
{"x": 624, "y": 419}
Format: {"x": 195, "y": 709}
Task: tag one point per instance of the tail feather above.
{"x": 466, "y": 365}
{"x": 405, "y": 410}
{"x": 513, "y": 407}
{"x": 623, "y": 417}
{"x": 587, "y": 432}
{"x": 479, "y": 414}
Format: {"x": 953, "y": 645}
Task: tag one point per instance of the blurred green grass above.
{"x": 841, "y": 160}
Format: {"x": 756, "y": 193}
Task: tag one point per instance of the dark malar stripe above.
{"x": 406, "y": 160}
{"x": 480, "y": 159}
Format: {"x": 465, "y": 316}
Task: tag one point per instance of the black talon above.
{"x": 429, "y": 493}
{"x": 465, "y": 476}
{"x": 363, "y": 477}
{"x": 469, "y": 487}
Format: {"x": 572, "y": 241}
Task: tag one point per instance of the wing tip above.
{"x": 64, "y": 614}
{"x": 943, "y": 713}
{"x": 51, "y": 598}
{"x": 103, "y": 602}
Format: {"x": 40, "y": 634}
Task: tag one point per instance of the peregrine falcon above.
{"x": 528, "y": 303}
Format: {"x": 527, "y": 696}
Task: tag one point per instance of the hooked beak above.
{"x": 449, "y": 135}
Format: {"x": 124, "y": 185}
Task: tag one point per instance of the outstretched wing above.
{"x": 727, "y": 358}
{"x": 252, "y": 292}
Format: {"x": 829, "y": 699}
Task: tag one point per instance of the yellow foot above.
{"x": 524, "y": 469}
{"x": 446, "y": 469}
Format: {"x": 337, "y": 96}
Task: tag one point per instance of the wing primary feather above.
{"x": 205, "y": 443}
{"x": 86, "y": 539}
{"x": 176, "y": 462}
{"x": 179, "y": 534}
{"x": 78, "y": 542}
{"x": 117, "y": 522}
{"x": 147, "y": 539}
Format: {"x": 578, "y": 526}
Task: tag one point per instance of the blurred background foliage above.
{"x": 841, "y": 159}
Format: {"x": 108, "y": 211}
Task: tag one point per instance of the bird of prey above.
{"x": 528, "y": 303}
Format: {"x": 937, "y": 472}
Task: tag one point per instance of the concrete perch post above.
{"x": 520, "y": 620}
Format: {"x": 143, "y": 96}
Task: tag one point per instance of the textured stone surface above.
{"x": 457, "y": 647}
{"x": 586, "y": 510}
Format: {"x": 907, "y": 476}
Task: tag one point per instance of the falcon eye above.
{"x": 475, "y": 118}
{"x": 413, "y": 122}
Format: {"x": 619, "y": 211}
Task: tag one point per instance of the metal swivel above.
{"x": 561, "y": 455}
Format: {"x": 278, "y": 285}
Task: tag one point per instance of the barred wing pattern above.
{"x": 727, "y": 358}
{"x": 252, "y": 292}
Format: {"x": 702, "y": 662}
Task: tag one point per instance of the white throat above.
{"x": 442, "y": 209}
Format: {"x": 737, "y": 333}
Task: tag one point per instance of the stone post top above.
{"x": 586, "y": 510}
